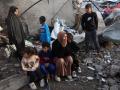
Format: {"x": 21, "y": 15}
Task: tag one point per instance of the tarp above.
{"x": 112, "y": 33}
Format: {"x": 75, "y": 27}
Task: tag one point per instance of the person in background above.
{"x": 30, "y": 64}
{"x": 62, "y": 56}
{"x": 15, "y": 30}
{"x": 74, "y": 50}
{"x": 90, "y": 25}
{"x": 44, "y": 31}
{"x": 47, "y": 65}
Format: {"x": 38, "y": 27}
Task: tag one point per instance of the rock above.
{"x": 111, "y": 81}
{"x": 105, "y": 87}
{"x": 114, "y": 87}
{"x": 114, "y": 69}
{"x": 3, "y": 68}
{"x": 88, "y": 60}
{"x": 90, "y": 78}
{"x": 98, "y": 67}
{"x": 17, "y": 65}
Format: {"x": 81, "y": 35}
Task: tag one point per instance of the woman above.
{"x": 15, "y": 30}
{"x": 62, "y": 56}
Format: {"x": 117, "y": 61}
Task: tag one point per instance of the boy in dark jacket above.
{"x": 89, "y": 24}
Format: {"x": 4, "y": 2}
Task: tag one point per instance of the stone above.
{"x": 111, "y": 81}
{"x": 17, "y": 65}
{"x": 98, "y": 67}
{"x": 3, "y": 68}
{"x": 114, "y": 87}
{"x": 114, "y": 69}
{"x": 105, "y": 87}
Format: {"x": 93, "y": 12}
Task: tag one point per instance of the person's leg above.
{"x": 43, "y": 70}
{"x": 51, "y": 69}
{"x": 32, "y": 76}
{"x": 20, "y": 47}
{"x": 69, "y": 62}
{"x": 39, "y": 74}
{"x": 75, "y": 64}
{"x": 95, "y": 40}
{"x": 60, "y": 67}
{"x": 87, "y": 41}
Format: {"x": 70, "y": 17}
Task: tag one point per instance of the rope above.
{"x": 31, "y": 7}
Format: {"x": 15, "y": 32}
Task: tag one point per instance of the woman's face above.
{"x": 17, "y": 12}
{"x": 65, "y": 37}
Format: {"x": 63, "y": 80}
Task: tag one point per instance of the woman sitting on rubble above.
{"x": 44, "y": 31}
{"x": 30, "y": 63}
{"x": 62, "y": 56}
{"x": 74, "y": 49}
{"x": 47, "y": 66}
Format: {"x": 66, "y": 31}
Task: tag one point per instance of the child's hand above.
{"x": 46, "y": 58}
{"x": 47, "y": 64}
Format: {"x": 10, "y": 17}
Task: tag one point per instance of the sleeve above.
{"x": 56, "y": 50}
{"x": 75, "y": 47}
{"x": 96, "y": 20}
{"x": 83, "y": 22}
{"x": 24, "y": 66}
{"x": 9, "y": 28}
{"x": 36, "y": 65}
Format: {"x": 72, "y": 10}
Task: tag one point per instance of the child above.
{"x": 47, "y": 65}
{"x": 30, "y": 63}
{"x": 44, "y": 31}
{"x": 90, "y": 25}
{"x": 74, "y": 49}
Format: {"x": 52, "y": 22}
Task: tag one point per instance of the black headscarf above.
{"x": 14, "y": 27}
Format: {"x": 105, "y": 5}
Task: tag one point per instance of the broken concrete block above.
{"x": 114, "y": 69}
{"x": 114, "y": 87}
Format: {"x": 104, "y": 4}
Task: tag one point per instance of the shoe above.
{"x": 79, "y": 70}
{"x": 33, "y": 86}
{"x": 74, "y": 75}
{"x": 58, "y": 79}
{"x": 42, "y": 83}
{"x": 70, "y": 78}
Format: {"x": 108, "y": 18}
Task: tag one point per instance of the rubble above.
{"x": 112, "y": 32}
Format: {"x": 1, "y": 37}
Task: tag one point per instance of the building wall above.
{"x": 42, "y": 8}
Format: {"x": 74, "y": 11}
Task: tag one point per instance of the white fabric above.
{"x": 1, "y": 28}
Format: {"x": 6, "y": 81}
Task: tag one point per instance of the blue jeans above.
{"x": 51, "y": 69}
{"x": 91, "y": 38}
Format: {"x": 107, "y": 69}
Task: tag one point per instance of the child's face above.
{"x": 88, "y": 10}
{"x": 69, "y": 40}
{"x": 45, "y": 49}
{"x": 26, "y": 55}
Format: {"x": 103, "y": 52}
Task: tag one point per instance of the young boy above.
{"x": 30, "y": 63}
{"x": 47, "y": 65}
{"x": 44, "y": 31}
{"x": 90, "y": 25}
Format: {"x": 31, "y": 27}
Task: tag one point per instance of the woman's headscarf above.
{"x": 12, "y": 10}
{"x": 62, "y": 38}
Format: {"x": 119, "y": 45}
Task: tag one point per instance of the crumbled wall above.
{"x": 42, "y": 8}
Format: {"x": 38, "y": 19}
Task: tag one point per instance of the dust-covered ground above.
{"x": 99, "y": 72}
